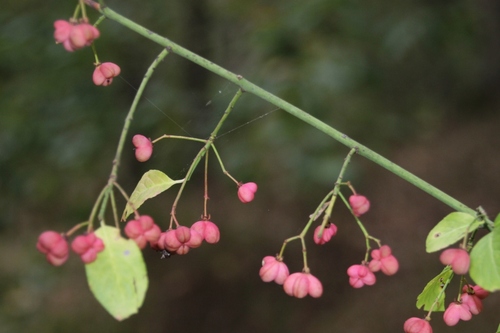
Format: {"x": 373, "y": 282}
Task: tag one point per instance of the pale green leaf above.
{"x": 485, "y": 261}
{"x": 118, "y": 278}
{"x": 451, "y": 229}
{"x": 151, "y": 184}
{"x": 433, "y": 291}
{"x": 497, "y": 221}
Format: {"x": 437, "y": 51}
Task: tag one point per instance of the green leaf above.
{"x": 451, "y": 229}
{"x": 497, "y": 221}
{"x": 151, "y": 184}
{"x": 432, "y": 291}
{"x": 118, "y": 278}
{"x": 485, "y": 261}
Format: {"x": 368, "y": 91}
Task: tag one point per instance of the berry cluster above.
{"x": 382, "y": 260}
{"x": 304, "y": 283}
{"x": 469, "y": 303}
{"x": 87, "y": 247}
{"x": 56, "y": 249}
{"x": 182, "y": 239}
{"x": 298, "y": 284}
{"x": 74, "y": 36}
{"x": 143, "y": 230}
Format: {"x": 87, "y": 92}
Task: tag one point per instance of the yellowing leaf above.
{"x": 432, "y": 291}
{"x": 151, "y": 184}
{"x": 118, "y": 278}
{"x": 451, "y": 229}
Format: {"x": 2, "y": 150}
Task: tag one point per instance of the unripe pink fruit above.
{"x": 74, "y": 36}
{"x": 62, "y": 30}
{"x": 273, "y": 270}
{"x": 171, "y": 243}
{"x": 473, "y": 302}
{"x": 82, "y": 35}
{"x": 246, "y": 192}
{"x": 302, "y": 284}
{"x": 104, "y": 73}
{"x": 359, "y": 204}
{"x": 417, "y": 325}
{"x": 143, "y": 230}
{"x": 54, "y": 246}
{"x": 359, "y": 275}
{"x": 208, "y": 230}
{"x": 383, "y": 260}
{"x": 475, "y": 290}
{"x": 455, "y": 312}
{"x": 328, "y": 232}
{"x": 143, "y": 147}
{"x": 458, "y": 259}
{"x": 87, "y": 247}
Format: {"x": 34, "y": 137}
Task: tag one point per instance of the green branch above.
{"x": 293, "y": 110}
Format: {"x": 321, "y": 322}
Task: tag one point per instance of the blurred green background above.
{"x": 417, "y": 81}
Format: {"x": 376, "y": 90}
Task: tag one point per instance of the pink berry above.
{"x": 208, "y": 230}
{"x": 212, "y": 233}
{"x": 143, "y": 230}
{"x": 328, "y": 232}
{"x": 475, "y": 290}
{"x": 302, "y": 284}
{"x": 273, "y": 270}
{"x": 359, "y": 204}
{"x": 417, "y": 325}
{"x": 104, "y": 73}
{"x": 383, "y": 260}
{"x": 359, "y": 275}
{"x": 54, "y": 246}
{"x": 246, "y": 192}
{"x": 473, "y": 302}
{"x": 455, "y": 312}
{"x": 458, "y": 259}
{"x": 62, "y": 30}
{"x": 171, "y": 243}
{"x": 87, "y": 247}
{"x": 143, "y": 147}
{"x": 82, "y": 35}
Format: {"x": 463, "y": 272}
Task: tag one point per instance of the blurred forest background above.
{"x": 417, "y": 81}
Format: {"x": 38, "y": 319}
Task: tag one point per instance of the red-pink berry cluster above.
{"x": 297, "y": 284}
{"x": 329, "y": 231}
{"x": 182, "y": 239}
{"x": 56, "y": 249}
{"x": 359, "y": 204}
{"x": 143, "y": 230}
{"x": 246, "y": 192}
{"x": 470, "y": 304}
{"x": 87, "y": 247}
{"x": 74, "y": 36}
{"x": 104, "y": 73}
{"x": 382, "y": 260}
{"x": 143, "y": 147}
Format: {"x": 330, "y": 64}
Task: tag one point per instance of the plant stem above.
{"x": 202, "y": 153}
{"x": 278, "y": 102}
{"x": 116, "y": 162}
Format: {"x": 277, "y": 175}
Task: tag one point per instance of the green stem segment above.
{"x": 199, "y": 156}
{"x": 278, "y": 102}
